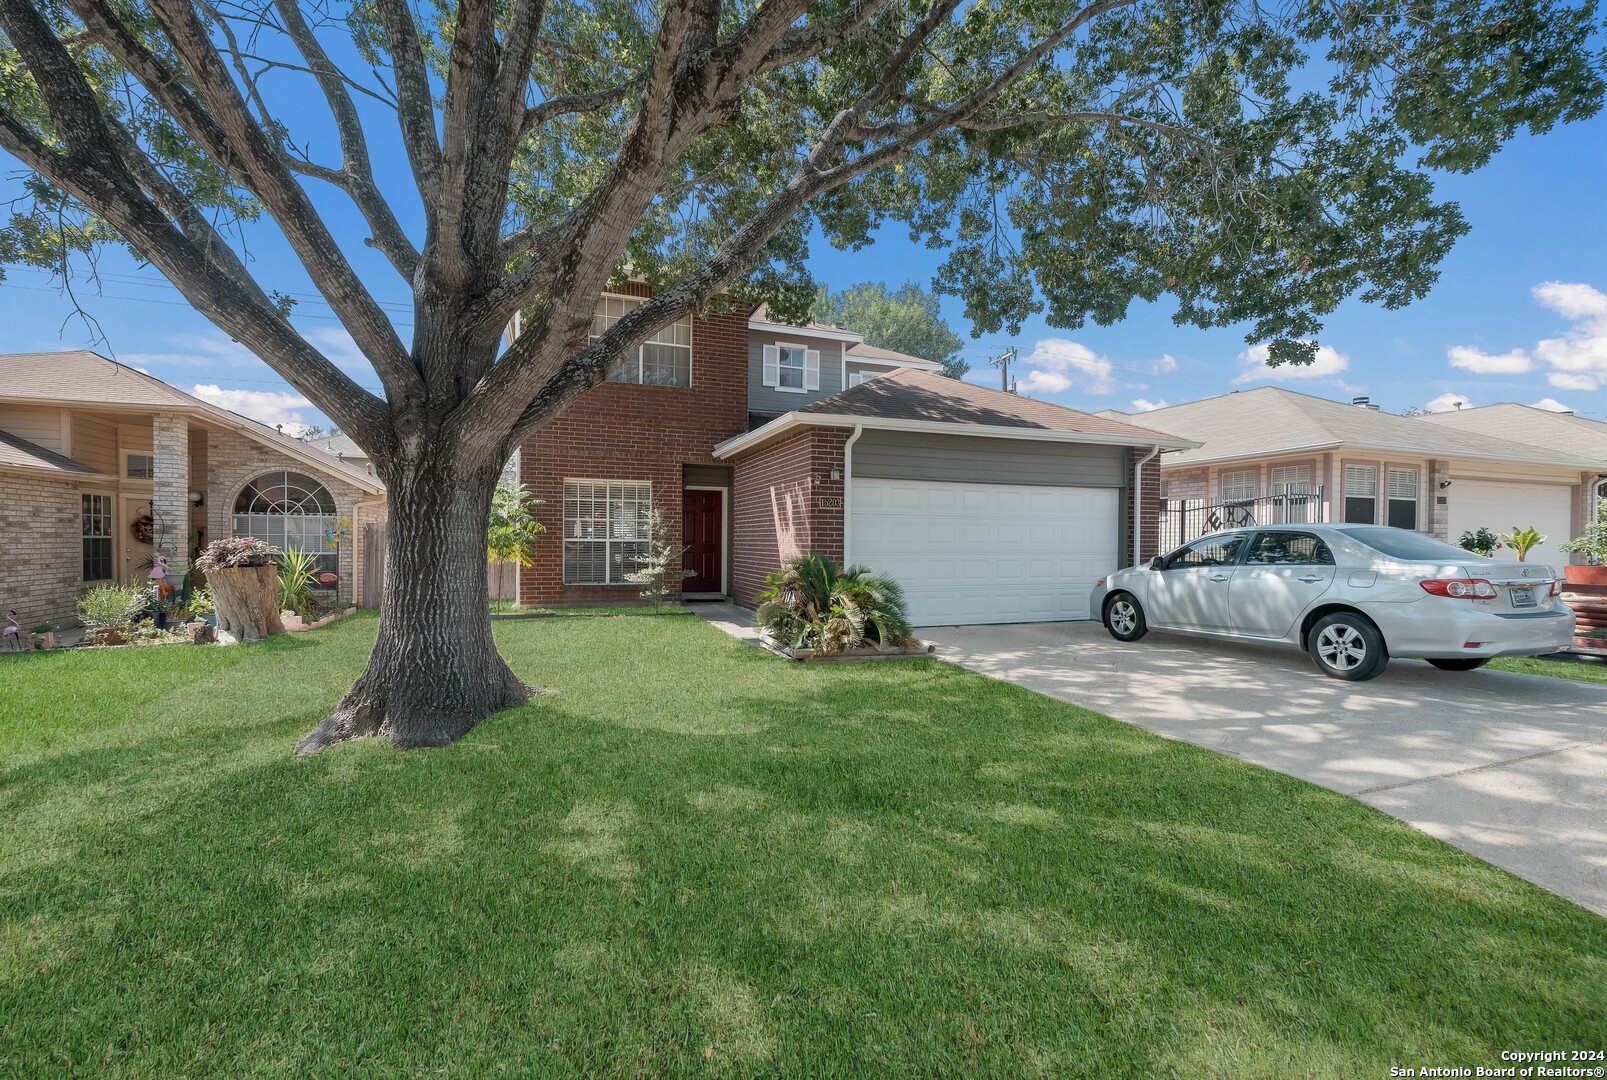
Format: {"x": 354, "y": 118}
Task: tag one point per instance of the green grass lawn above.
{"x": 1556, "y": 669}
{"x": 699, "y": 860}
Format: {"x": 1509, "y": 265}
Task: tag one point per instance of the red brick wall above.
{"x": 1149, "y": 517}
{"x": 621, "y": 431}
{"x": 776, "y": 511}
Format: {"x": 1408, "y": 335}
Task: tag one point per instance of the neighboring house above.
{"x": 346, "y": 449}
{"x": 1275, "y": 454}
{"x": 1562, "y": 432}
{"x": 102, "y": 466}
{"x": 985, "y": 506}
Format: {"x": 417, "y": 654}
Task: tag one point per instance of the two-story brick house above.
{"x": 760, "y": 442}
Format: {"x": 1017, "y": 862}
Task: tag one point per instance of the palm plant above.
{"x": 813, "y": 604}
{"x": 1522, "y": 541}
{"x": 298, "y": 572}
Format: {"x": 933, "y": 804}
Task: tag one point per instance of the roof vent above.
{"x": 1363, "y": 402}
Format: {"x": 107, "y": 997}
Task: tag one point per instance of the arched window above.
{"x": 291, "y": 511}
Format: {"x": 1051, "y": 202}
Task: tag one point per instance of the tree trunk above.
{"x": 435, "y": 672}
{"x": 247, "y": 601}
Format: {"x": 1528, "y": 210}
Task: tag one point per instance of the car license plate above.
{"x": 1523, "y": 597}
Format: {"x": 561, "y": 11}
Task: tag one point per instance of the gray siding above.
{"x": 902, "y": 455}
{"x": 870, "y": 367}
{"x": 766, "y": 399}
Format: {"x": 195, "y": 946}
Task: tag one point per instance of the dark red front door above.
{"x": 703, "y": 533}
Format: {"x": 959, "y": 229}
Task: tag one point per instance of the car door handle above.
{"x": 1312, "y": 577}
{"x": 1219, "y": 577}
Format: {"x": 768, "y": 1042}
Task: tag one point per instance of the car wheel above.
{"x": 1467, "y": 663}
{"x": 1348, "y": 646}
{"x": 1124, "y": 618}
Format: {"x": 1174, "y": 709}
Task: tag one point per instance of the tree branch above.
{"x": 415, "y": 102}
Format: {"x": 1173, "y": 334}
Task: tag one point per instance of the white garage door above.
{"x": 1498, "y": 507}
{"x": 985, "y": 553}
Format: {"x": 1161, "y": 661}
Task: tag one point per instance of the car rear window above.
{"x": 1412, "y": 546}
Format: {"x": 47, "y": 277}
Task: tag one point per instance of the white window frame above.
{"x": 1231, "y": 483}
{"x": 603, "y": 319}
{"x": 808, "y": 367}
{"x": 148, "y": 455}
{"x": 1356, "y": 478}
{"x": 1390, "y": 489}
{"x": 97, "y": 522}
{"x": 1290, "y": 480}
{"x": 855, "y": 378}
{"x": 617, "y": 536}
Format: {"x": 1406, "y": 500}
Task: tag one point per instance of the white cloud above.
{"x": 195, "y": 350}
{"x": 1055, "y": 363}
{"x": 1563, "y": 380}
{"x": 1144, "y": 405}
{"x": 1468, "y": 358}
{"x": 1165, "y": 365}
{"x": 1572, "y": 300}
{"x": 1328, "y": 362}
{"x": 1448, "y": 402}
{"x": 1551, "y": 404}
{"x": 265, "y": 406}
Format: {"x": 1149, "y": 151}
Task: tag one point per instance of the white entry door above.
{"x": 1501, "y": 506}
{"x": 968, "y": 554}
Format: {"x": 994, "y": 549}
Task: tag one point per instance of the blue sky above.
{"x": 1519, "y": 314}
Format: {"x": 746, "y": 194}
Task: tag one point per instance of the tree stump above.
{"x": 247, "y": 600}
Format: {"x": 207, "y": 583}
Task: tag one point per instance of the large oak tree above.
{"x": 1257, "y": 162}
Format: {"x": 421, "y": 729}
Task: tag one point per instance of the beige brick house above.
{"x": 103, "y": 466}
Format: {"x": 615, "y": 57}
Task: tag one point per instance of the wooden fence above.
{"x": 502, "y": 579}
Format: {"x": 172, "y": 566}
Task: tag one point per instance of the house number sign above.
{"x": 831, "y": 502}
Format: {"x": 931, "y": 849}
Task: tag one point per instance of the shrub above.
{"x": 814, "y": 605}
{"x": 1480, "y": 541}
{"x": 660, "y": 571}
{"x": 108, "y": 607}
{"x": 511, "y": 532}
{"x": 235, "y": 551}
{"x": 1592, "y": 543}
{"x": 298, "y": 574}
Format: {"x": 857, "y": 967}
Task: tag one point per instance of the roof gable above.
{"x": 18, "y": 453}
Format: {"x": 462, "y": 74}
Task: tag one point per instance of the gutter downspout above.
{"x": 848, "y": 476}
{"x": 1138, "y": 502}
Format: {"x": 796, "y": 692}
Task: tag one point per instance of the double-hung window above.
{"x": 1402, "y": 494}
{"x": 665, "y": 359}
{"x": 97, "y": 537}
{"x": 1291, "y": 485}
{"x": 791, "y": 369}
{"x": 1361, "y": 494}
{"x": 1238, "y": 486}
{"x": 138, "y": 466}
{"x": 606, "y": 530}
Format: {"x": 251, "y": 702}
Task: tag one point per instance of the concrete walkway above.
{"x": 736, "y": 621}
{"x": 1512, "y": 768}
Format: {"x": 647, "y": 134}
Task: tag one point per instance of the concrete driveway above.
{"x": 1512, "y": 768}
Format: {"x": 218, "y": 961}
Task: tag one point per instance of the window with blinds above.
{"x": 97, "y": 520}
{"x": 665, "y": 359}
{"x": 1291, "y": 479}
{"x": 1238, "y": 486}
{"x": 1361, "y": 494}
{"x": 1401, "y": 494}
{"x": 606, "y": 530}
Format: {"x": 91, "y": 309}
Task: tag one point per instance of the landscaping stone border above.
{"x": 858, "y": 656}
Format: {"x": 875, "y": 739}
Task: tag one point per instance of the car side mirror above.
{"x": 1158, "y": 563}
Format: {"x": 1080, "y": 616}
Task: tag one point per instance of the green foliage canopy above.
{"x": 907, "y": 320}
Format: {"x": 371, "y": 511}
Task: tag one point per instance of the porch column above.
{"x": 170, "y": 489}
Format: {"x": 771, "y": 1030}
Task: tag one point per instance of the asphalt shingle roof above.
{"x": 18, "y": 453}
{"x": 913, "y": 394}
{"x": 1272, "y": 420}
{"x": 1561, "y": 432}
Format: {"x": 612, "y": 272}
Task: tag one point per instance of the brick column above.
{"x": 1439, "y": 513}
{"x": 170, "y": 488}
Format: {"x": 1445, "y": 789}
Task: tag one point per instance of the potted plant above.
{"x": 106, "y": 611}
{"x": 1522, "y": 541}
{"x": 1480, "y": 541}
{"x": 44, "y": 636}
{"x": 1592, "y": 544}
{"x": 243, "y": 573}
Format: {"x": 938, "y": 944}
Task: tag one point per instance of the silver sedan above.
{"x": 1351, "y": 595}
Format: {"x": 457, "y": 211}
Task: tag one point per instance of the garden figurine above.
{"x": 11, "y": 635}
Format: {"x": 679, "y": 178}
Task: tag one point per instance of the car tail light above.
{"x": 1460, "y": 588}
{"x": 1555, "y": 590}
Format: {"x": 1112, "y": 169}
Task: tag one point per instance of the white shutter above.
{"x": 811, "y": 369}
{"x": 772, "y": 365}
{"x": 1403, "y": 484}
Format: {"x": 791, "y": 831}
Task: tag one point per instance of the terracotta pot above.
{"x": 111, "y": 635}
{"x": 1585, "y": 575}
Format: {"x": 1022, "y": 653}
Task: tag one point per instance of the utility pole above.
{"x": 1002, "y": 362}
